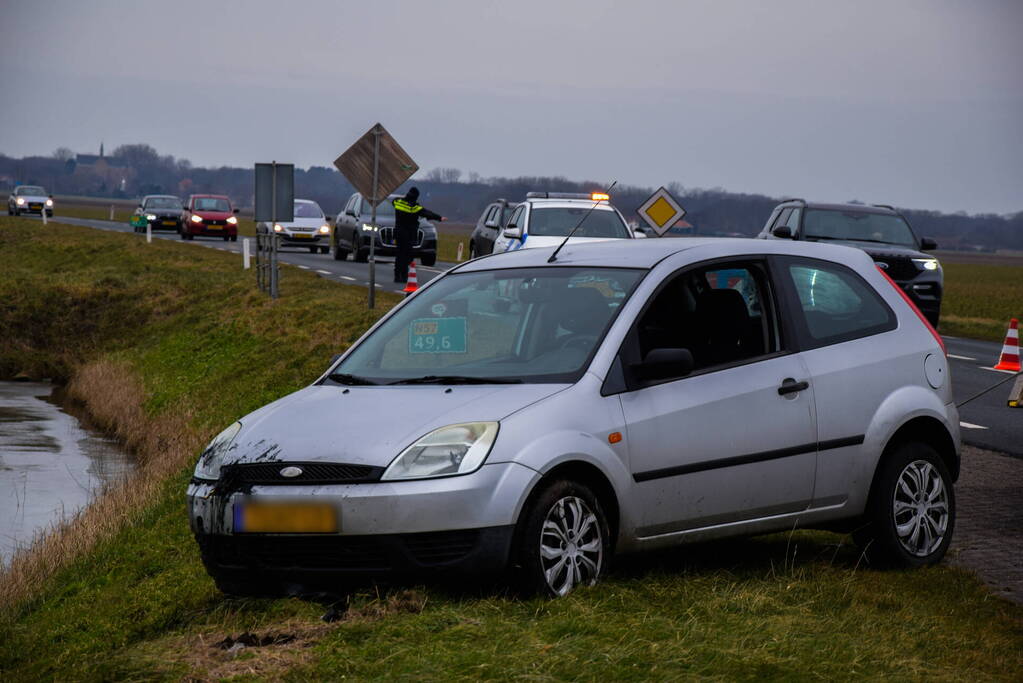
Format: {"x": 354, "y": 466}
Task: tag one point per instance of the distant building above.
{"x": 100, "y": 173}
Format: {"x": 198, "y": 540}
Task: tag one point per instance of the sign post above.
{"x": 275, "y": 201}
{"x": 660, "y": 211}
{"x": 376, "y": 166}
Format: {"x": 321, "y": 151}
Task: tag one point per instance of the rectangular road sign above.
{"x": 661, "y": 211}
{"x": 393, "y": 167}
{"x": 284, "y": 186}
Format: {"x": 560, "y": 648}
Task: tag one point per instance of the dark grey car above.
{"x": 877, "y": 229}
{"x": 489, "y": 226}
{"x": 353, "y": 231}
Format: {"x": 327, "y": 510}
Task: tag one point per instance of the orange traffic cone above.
{"x": 412, "y": 284}
{"x": 1010, "y": 349}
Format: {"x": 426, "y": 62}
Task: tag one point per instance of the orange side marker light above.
{"x": 614, "y": 437}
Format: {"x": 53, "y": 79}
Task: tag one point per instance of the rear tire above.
{"x": 562, "y": 540}
{"x": 910, "y": 515}
{"x": 227, "y": 238}
{"x": 362, "y": 256}
{"x": 338, "y": 253}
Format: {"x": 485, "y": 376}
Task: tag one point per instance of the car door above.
{"x": 734, "y": 440}
{"x": 851, "y": 350}
{"x": 488, "y": 231}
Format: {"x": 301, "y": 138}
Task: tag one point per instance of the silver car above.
{"x": 538, "y": 417}
{"x": 29, "y": 199}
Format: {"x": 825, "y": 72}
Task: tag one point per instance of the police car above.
{"x": 546, "y": 218}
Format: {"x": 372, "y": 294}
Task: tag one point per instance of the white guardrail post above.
{"x": 149, "y": 233}
{"x": 111, "y": 212}
{"x": 245, "y": 253}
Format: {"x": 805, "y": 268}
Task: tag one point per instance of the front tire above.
{"x": 429, "y": 259}
{"x": 911, "y": 513}
{"x": 562, "y": 540}
{"x": 338, "y": 253}
{"x": 361, "y": 256}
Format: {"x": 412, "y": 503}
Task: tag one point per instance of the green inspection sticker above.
{"x": 437, "y": 335}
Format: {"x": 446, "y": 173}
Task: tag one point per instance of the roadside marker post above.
{"x": 111, "y": 212}
{"x": 461, "y": 246}
{"x": 246, "y": 263}
{"x": 661, "y": 211}
{"x": 43, "y": 214}
{"x": 149, "y": 233}
{"x": 376, "y": 166}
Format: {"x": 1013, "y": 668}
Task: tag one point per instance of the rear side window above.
{"x": 836, "y": 304}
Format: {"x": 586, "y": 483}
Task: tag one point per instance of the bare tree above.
{"x": 444, "y": 175}
{"x": 63, "y": 154}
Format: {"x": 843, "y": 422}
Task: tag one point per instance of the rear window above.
{"x": 836, "y": 304}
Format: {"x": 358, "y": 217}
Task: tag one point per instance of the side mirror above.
{"x": 668, "y": 363}
{"x": 237, "y": 210}
{"x": 140, "y": 206}
{"x": 926, "y": 244}
{"x": 512, "y": 232}
{"x": 639, "y": 234}
{"x": 350, "y": 213}
{"x": 490, "y": 224}
{"x": 782, "y": 231}
{"x": 328, "y": 219}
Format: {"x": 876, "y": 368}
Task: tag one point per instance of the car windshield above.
{"x": 163, "y": 203}
{"x": 525, "y": 324}
{"x": 829, "y": 224}
{"x": 30, "y": 190}
{"x": 307, "y": 210}
{"x": 559, "y": 221}
{"x": 384, "y": 209}
{"x": 211, "y": 204}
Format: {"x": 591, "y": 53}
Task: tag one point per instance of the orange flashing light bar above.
{"x": 600, "y": 197}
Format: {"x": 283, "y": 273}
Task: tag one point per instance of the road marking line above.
{"x": 345, "y": 277}
{"x": 324, "y": 272}
{"x": 970, "y": 425}
{"x": 952, "y": 355}
{"x": 1008, "y": 372}
{"x": 303, "y": 267}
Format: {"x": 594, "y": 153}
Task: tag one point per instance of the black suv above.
{"x": 877, "y": 229}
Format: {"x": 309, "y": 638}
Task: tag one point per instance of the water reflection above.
{"x": 50, "y": 464}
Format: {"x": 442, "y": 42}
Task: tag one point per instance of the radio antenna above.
{"x": 554, "y": 256}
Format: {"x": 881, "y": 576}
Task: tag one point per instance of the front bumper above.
{"x": 458, "y": 524}
{"x": 926, "y": 293}
{"x": 302, "y": 239}
{"x": 207, "y": 230}
{"x": 165, "y": 223}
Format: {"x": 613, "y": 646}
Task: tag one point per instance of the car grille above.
{"x": 441, "y": 547}
{"x": 899, "y": 267}
{"x": 387, "y": 238}
{"x": 432, "y": 549}
{"x": 212, "y": 222}
{"x": 269, "y": 473}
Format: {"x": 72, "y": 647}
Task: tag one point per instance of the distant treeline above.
{"x": 134, "y": 170}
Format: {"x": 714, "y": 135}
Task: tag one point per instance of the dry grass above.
{"x": 113, "y": 397}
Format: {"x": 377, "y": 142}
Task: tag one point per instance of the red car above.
{"x": 211, "y": 215}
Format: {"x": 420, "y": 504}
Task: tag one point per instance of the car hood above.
{"x": 388, "y": 222}
{"x": 163, "y": 212}
{"x": 539, "y": 241}
{"x": 32, "y": 197}
{"x": 369, "y": 425}
{"x": 213, "y": 215}
{"x": 303, "y": 223}
{"x": 878, "y": 249}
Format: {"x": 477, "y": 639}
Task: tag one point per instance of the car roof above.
{"x": 165, "y": 196}
{"x": 215, "y": 196}
{"x": 859, "y": 208}
{"x": 571, "y": 204}
{"x": 647, "y": 253}
{"x": 305, "y": 201}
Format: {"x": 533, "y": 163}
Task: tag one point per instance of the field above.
{"x": 166, "y": 344}
{"x": 980, "y": 298}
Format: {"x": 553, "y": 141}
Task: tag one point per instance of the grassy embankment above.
{"x": 166, "y": 344}
{"x": 980, "y": 299}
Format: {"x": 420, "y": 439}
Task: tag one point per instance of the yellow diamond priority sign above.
{"x": 660, "y": 211}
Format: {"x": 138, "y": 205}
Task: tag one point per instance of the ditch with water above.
{"x": 51, "y": 463}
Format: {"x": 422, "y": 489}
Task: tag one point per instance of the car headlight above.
{"x": 277, "y": 227}
{"x": 324, "y": 229}
{"x": 212, "y": 457}
{"x": 49, "y": 202}
{"x": 927, "y": 263}
{"x": 150, "y": 217}
{"x": 20, "y": 201}
{"x": 455, "y": 449}
{"x": 367, "y": 227}
{"x": 196, "y": 219}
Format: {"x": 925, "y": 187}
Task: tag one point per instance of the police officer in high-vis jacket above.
{"x": 407, "y": 212}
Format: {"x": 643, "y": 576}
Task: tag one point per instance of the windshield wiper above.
{"x": 457, "y": 379}
{"x": 353, "y": 380}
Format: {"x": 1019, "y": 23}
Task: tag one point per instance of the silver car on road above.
{"x": 534, "y": 417}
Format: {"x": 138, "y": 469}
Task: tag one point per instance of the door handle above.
{"x": 791, "y": 386}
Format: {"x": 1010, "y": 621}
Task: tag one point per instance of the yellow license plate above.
{"x": 285, "y": 518}
{"x": 301, "y": 236}
{"x": 213, "y": 227}
{"x": 168, "y": 222}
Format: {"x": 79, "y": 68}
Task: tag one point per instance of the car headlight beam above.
{"x": 19, "y": 201}
{"x": 196, "y": 219}
{"x": 208, "y": 467}
{"x": 150, "y": 217}
{"x": 927, "y": 263}
{"x": 232, "y": 220}
{"x": 49, "y": 202}
{"x": 445, "y": 452}
{"x": 324, "y": 229}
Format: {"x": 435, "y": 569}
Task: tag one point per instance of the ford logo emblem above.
{"x": 291, "y": 472}
{"x": 881, "y": 264}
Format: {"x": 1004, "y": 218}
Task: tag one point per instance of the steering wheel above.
{"x": 583, "y": 342}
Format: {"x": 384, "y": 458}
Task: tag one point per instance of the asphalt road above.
{"x": 986, "y": 421}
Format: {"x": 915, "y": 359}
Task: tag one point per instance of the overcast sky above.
{"x": 918, "y": 104}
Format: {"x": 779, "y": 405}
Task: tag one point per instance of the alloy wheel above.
{"x": 571, "y": 545}
{"x": 920, "y": 508}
